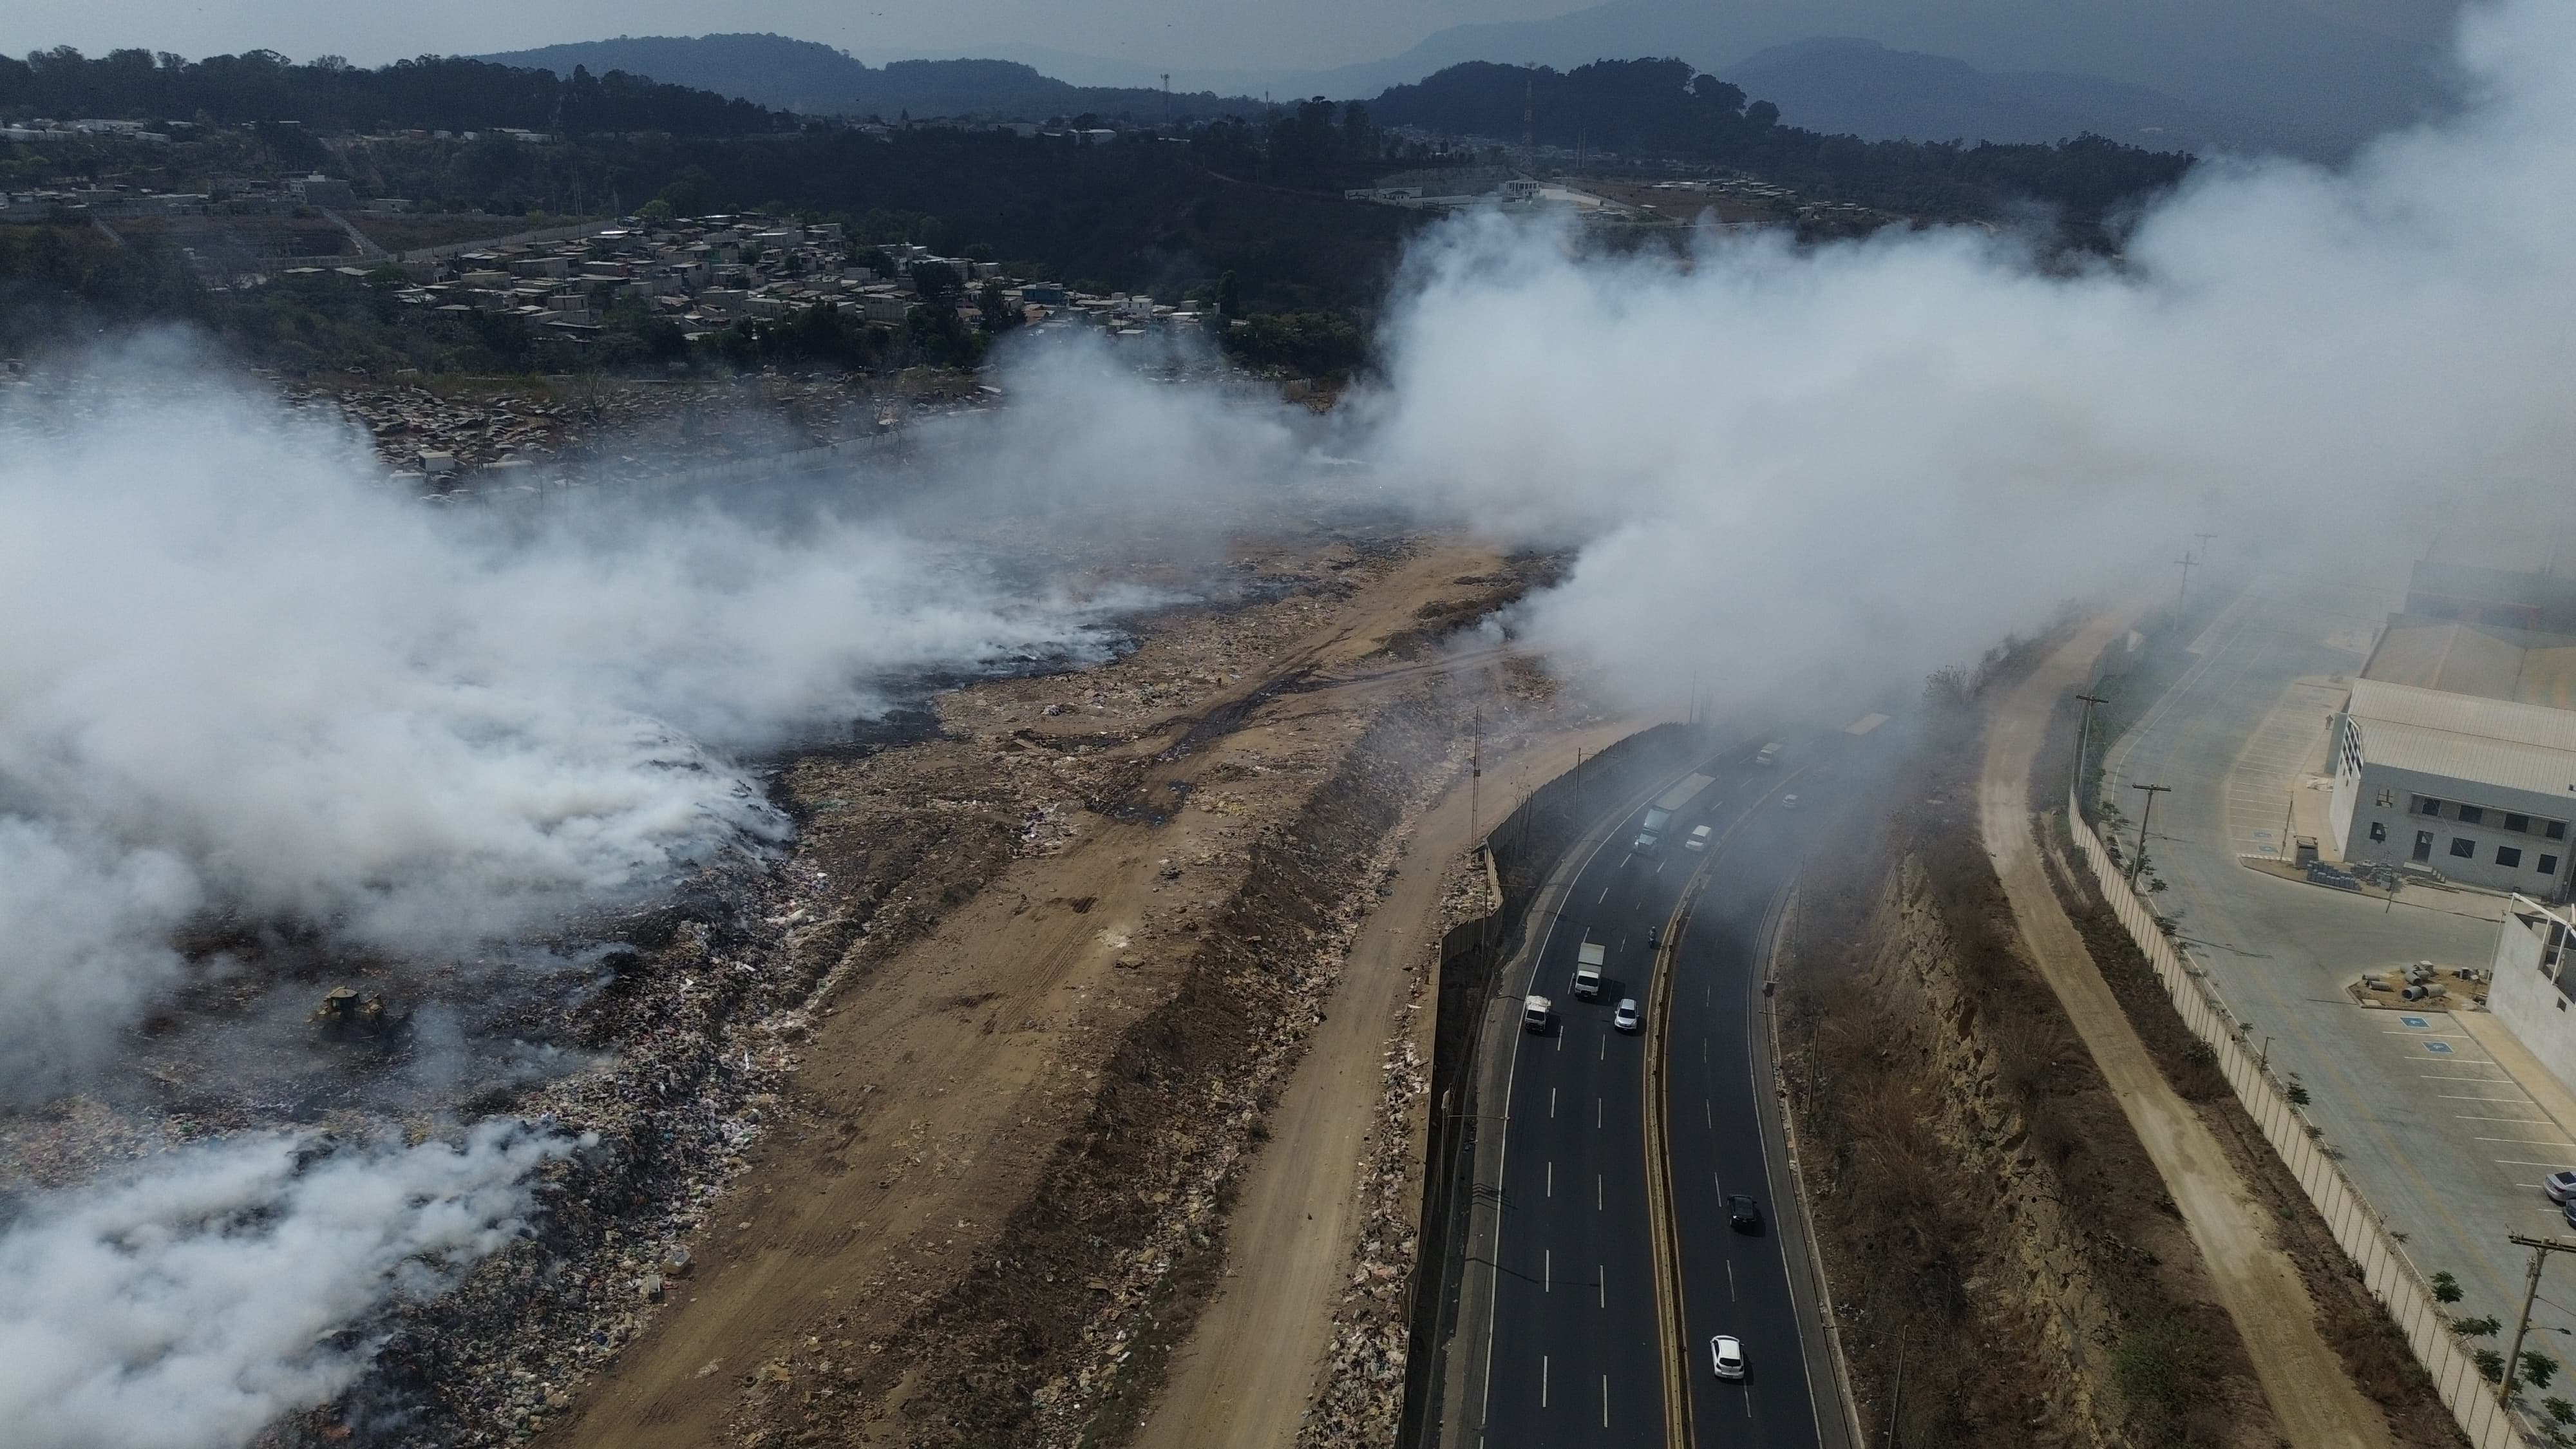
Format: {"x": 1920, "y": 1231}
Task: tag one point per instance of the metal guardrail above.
{"x": 2390, "y": 1275}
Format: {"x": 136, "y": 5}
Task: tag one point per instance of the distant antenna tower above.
{"x": 1529, "y": 111}
{"x": 1167, "y": 98}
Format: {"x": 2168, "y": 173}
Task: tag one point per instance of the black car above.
{"x": 1743, "y": 1214}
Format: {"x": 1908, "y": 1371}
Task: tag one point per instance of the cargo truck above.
{"x": 1587, "y": 971}
{"x": 1650, "y": 831}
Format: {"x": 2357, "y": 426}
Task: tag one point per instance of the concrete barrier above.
{"x": 2390, "y": 1275}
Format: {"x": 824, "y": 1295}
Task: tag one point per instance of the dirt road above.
{"x": 938, "y": 1082}
{"x": 1245, "y": 1375}
{"x": 2316, "y": 1403}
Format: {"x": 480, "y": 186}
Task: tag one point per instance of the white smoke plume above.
{"x": 245, "y": 670}
{"x": 187, "y": 1305}
{"x": 1809, "y": 473}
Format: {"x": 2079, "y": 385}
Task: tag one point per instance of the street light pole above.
{"x": 2140, "y": 857}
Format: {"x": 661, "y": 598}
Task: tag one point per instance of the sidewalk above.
{"x": 2537, "y": 1082}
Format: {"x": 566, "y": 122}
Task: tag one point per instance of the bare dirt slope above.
{"x": 2315, "y": 1401}
{"x": 1249, "y": 1371}
{"x": 851, "y": 1287}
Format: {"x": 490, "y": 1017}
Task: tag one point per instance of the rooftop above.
{"x": 2501, "y": 742}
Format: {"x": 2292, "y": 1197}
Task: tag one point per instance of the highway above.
{"x": 1572, "y": 1357}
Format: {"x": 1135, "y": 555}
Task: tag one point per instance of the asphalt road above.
{"x": 1573, "y": 1357}
{"x": 1732, "y": 1282}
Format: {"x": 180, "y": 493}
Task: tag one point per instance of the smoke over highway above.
{"x": 1826, "y": 471}
{"x": 246, "y": 678}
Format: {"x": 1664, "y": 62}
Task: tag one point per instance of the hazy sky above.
{"x": 1252, "y": 34}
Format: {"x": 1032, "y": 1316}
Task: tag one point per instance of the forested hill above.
{"x": 1662, "y": 108}
{"x": 816, "y": 79}
{"x": 432, "y": 93}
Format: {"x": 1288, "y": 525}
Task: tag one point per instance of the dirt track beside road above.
{"x": 2316, "y": 1402}
{"x": 1249, "y": 1371}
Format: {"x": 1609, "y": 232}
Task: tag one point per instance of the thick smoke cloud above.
{"x": 186, "y": 1307}
{"x": 248, "y": 672}
{"x": 1807, "y": 474}
{"x": 242, "y": 673}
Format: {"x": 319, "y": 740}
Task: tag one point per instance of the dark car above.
{"x": 1743, "y": 1213}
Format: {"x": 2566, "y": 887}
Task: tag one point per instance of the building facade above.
{"x": 2480, "y": 790}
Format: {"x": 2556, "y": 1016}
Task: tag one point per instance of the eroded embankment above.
{"x": 1066, "y": 1327}
{"x": 1987, "y": 1214}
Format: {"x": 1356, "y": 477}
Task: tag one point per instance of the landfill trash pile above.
{"x": 1360, "y": 1404}
{"x": 1329, "y": 877}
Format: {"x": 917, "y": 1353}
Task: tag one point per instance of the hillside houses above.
{"x": 713, "y": 272}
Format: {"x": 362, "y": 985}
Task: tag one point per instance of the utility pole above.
{"x": 2084, "y": 733}
{"x": 2140, "y": 858}
{"x": 1897, "y": 1404}
{"x": 2187, "y": 562}
{"x": 1475, "y": 772}
{"x": 2204, "y": 542}
{"x": 2540, "y": 1248}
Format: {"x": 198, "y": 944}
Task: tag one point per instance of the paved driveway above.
{"x": 2434, "y": 1130}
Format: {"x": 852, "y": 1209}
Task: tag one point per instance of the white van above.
{"x": 1534, "y": 1012}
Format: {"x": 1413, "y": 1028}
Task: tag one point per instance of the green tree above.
{"x": 937, "y": 284}
{"x": 2446, "y": 1289}
{"x": 2538, "y": 1368}
{"x": 691, "y": 193}
{"x": 999, "y": 315}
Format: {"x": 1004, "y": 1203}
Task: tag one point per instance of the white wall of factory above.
{"x": 2411, "y": 817}
{"x": 2481, "y": 790}
{"x": 2524, "y": 992}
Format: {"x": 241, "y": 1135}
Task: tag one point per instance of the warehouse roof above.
{"x": 2493, "y": 741}
{"x": 2476, "y": 659}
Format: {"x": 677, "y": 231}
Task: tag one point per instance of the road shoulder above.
{"x": 1808, "y": 1289}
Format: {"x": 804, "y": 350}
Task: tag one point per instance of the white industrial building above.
{"x": 2527, "y": 991}
{"x": 2478, "y": 789}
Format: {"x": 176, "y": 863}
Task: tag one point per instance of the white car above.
{"x": 1788, "y": 802}
{"x": 1625, "y": 1017}
{"x": 1726, "y": 1356}
{"x": 2560, "y": 1185}
{"x": 1698, "y": 839}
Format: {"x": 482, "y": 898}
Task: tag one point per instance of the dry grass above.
{"x": 1976, "y": 1181}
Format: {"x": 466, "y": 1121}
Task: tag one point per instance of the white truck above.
{"x": 1587, "y": 971}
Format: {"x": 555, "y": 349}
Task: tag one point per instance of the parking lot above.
{"x": 2441, "y": 1120}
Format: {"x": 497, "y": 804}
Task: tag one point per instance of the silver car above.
{"x": 1625, "y": 1017}
{"x": 2560, "y": 1185}
{"x": 1726, "y": 1356}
